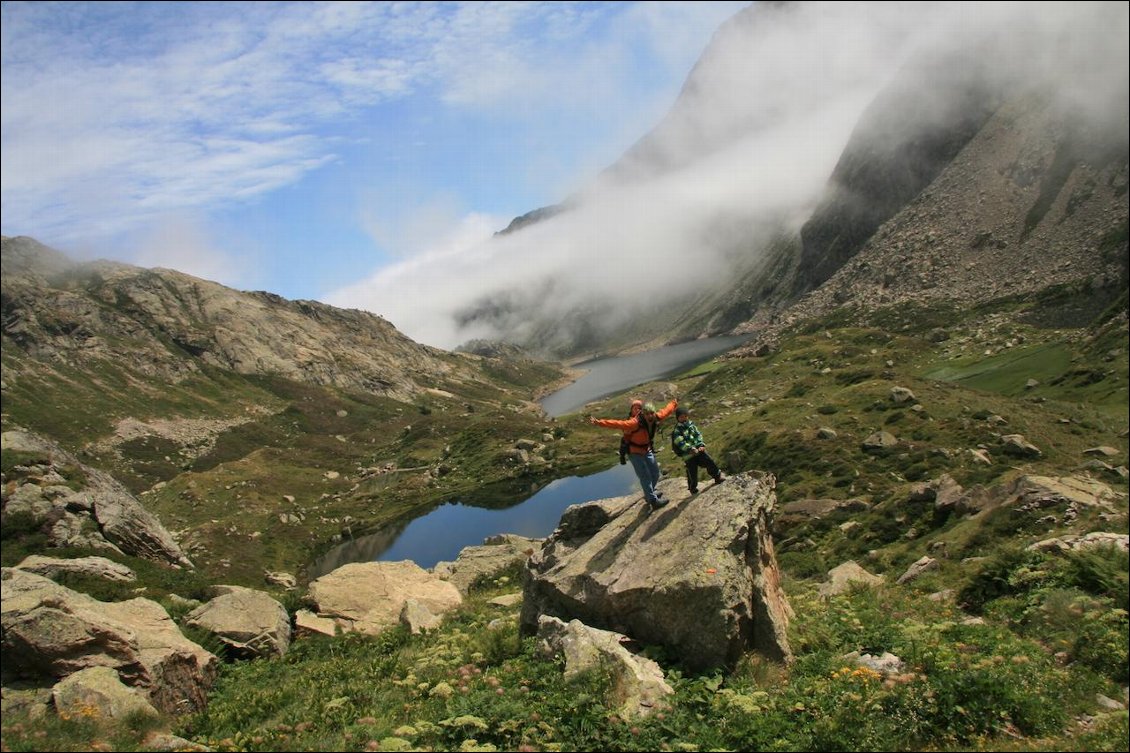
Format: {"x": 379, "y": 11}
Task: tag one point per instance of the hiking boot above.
{"x": 718, "y": 480}
{"x": 659, "y": 502}
{"x": 693, "y": 491}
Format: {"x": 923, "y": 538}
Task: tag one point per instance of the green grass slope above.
{"x": 1004, "y": 648}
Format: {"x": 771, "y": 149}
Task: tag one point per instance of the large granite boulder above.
{"x": 846, "y": 576}
{"x": 51, "y": 631}
{"x": 698, "y": 576}
{"x": 100, "y": 689}
{"x": 250, "y": 623}
{"x": 368, "y": 597}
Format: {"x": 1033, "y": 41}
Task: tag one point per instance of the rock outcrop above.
{"x": 51, "y": 631}
{"x": 99, "y": 513}
{"x": 698, "y": 576}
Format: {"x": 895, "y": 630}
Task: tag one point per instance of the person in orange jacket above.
{"x": 639, "y": 431}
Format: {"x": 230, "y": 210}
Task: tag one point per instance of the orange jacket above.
{"x": 639, "y": 439}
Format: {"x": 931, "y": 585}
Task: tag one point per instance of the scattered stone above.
{"x": 1017, "y": 446}
{"x": 981, "y": 456}
{"x": 880, "y": 442}
{"x": 1108, "y": 704}
{"x": 886, "y": 664}
{"x": 843, "y": 578}
{"x": 638, "y": 688}
{"x": 98, "y": 567}
{"x": 281, "y": 579}
{"x": 901, "y": 396}
{"x": 921, "y": 566}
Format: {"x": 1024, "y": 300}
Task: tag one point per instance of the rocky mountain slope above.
{"x": 939, "y": 392}
{"x": 169, "y": 324}
{"x": 1033, "y": 201}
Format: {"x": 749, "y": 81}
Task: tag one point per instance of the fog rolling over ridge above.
{"x": 745, "y": 155}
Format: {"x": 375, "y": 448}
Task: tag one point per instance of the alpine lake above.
{"x": 440, "y": 534}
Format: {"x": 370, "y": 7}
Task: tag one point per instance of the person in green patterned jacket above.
{"x": 687, "y": 442}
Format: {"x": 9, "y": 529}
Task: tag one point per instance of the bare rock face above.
{"x": 698, "y": 576}
{"x": 52, "y": 631}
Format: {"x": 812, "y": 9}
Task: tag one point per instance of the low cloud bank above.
{"x": 746, "y": 151}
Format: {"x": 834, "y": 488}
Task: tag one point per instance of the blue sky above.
{"x": 299, "y": 147}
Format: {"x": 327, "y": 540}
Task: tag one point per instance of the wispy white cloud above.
{"x": 222, "y": 112}
{"x": 450, "y": 268}
{"x": 184, "y": 242}
{"x": 762, "y": 125}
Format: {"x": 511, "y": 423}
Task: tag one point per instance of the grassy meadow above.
{"x": 1004, "y": 648}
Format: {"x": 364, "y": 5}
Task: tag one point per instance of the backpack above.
{"x": 624, "y": 448}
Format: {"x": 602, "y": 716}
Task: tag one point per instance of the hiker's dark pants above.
{"x": 705, "y": 461}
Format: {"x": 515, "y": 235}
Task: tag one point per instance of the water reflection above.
{"x": 440, "y": 535}
{"x": 362, "y": 549}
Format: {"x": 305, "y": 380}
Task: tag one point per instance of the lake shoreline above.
{"x": 572, "y": 374}
{"x": 449, "y": 525}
